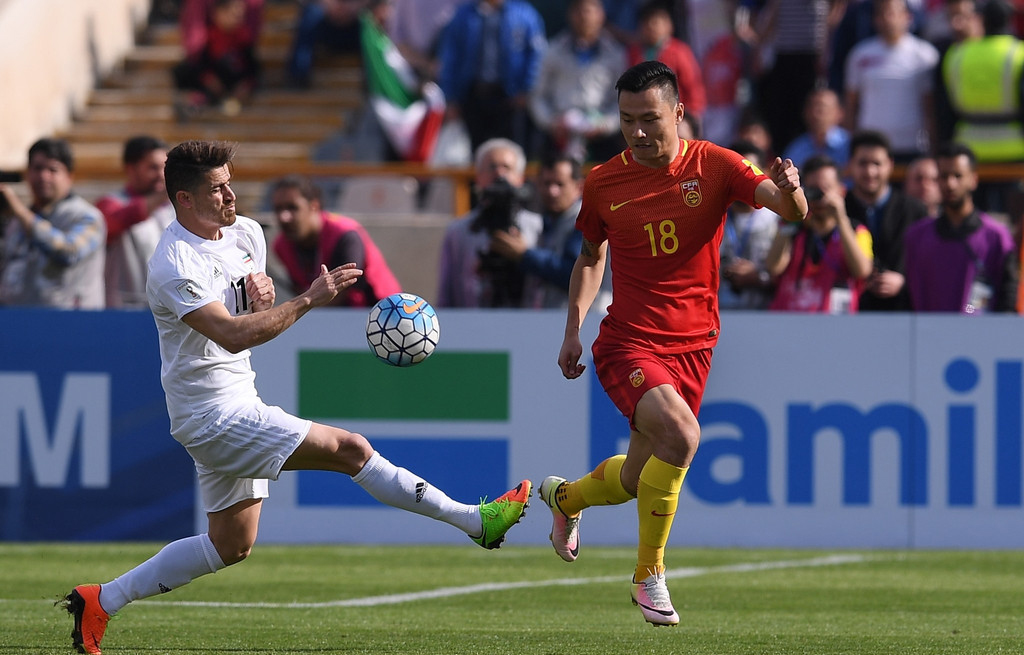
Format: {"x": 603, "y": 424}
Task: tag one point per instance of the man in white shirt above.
{"x": 889, "y": 82}
{"x": 212, "y": 300}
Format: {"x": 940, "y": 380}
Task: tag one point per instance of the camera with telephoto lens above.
{"x": 499, "y": 203}
{"x": 813, "y": 193}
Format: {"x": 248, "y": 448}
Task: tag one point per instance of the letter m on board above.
{"x": 82, "y": 417}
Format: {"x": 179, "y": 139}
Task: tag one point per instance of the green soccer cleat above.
{"x": 499, "y": 515}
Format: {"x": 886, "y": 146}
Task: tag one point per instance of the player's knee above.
{"x": 236, "y": 556}
{"x": 353, "y": 450}
{"x": 233, "y": 551}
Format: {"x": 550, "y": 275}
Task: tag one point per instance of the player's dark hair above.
{"x": 138, "y": 147}
{"x": 954, "y": 149}
{"x": 648, "y": 75}
{"x": 815, "y": 163}
{"x": 58, "y": 149}
{"x": 870, "y": 139}
{"x": 550, "y": 160}
{"x": 305, "y": 186}
{"x": 189, "y": 162}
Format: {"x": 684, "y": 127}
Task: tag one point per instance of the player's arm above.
{"x": 782, "y": 193}
{"x": 584, "y": 284}
{"x": 237, "y": 333}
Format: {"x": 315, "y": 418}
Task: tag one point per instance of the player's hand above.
{"x": 569, "y": 357}
{"x": 330, "y": 283}
{"x": 785, "y": 175}
{"x": 260, "y": 289}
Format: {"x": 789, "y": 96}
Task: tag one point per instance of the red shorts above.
{"x": 627, "y": 372}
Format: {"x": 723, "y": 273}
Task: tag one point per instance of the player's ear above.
{"x": 183, "y": 198}
{"x": 679, "y": 113}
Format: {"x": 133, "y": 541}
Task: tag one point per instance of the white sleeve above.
{"x": 181, "y": 283}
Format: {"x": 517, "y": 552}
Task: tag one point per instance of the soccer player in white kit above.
{"x": 212, "y": 300}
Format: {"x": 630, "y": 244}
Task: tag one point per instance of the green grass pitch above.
{"x": 464, "y": 600}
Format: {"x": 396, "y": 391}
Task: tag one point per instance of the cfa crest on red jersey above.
{"x": 636, "y": 377}
{"x": 691, "y": 192}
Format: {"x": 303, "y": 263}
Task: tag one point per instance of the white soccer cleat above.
{"x": 651, "y": 596}
{"x": 565, "y": 530}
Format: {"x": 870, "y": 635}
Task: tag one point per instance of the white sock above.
{"x": 403, "y": 489}
{"x": 177, "y": 564}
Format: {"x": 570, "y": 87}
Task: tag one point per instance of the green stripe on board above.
{"x": 336, "y": 384}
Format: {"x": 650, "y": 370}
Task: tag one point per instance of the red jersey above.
{"x": 664, "y": 227}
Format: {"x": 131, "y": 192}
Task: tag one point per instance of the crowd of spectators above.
{"x": 852, "y": 91}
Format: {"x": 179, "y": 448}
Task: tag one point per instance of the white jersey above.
{"x": 187, "y": 272}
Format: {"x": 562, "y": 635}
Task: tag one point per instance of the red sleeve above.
{"x": 120, "y": 216}
{"x": 745, "y": 178}
{"x": 589, "y": 221}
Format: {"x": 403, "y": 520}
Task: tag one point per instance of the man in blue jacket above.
{"x": 490, "y": 56}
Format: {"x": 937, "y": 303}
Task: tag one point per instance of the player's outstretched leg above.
{"x": 652, "y": 597}
{"x": 501, "y": 514}
{"x": 565, "y": 530}
{"x": 83, "y": 603}
{"x": 567, "y": 500}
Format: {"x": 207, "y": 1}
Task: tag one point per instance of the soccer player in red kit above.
{"x": 658, "y": 208}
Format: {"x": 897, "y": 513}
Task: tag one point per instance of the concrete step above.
{"x": 313, "y": 99}
{"x": 161, "y": 78}
{"x": 268, "y": 117}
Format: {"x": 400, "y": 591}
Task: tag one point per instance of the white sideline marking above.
{"x": 448, "y": 592}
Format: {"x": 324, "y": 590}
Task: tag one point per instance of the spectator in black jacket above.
{"x": 887, "y": 212}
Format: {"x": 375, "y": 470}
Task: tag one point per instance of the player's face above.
{"x": 870, "y": 168}
{"x": 297, "y": 216}
{"x": 558, "y": 189}
{"x": 648, "y": 120}
{"x": 213, "y": 203}
{"x": 956, "y": 181}
{"x": 147, "y": 175}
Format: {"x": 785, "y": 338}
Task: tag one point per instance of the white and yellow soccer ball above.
{"x": 402, "y": 329}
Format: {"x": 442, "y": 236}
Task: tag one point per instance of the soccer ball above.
{"x": 402, "y": 329}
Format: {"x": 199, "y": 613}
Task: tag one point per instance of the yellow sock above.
{"x": 602, "y": 486}
{"x": 656, "y": 501}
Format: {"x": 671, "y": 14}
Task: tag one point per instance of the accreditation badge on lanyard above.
{"x": 979, "y": 298}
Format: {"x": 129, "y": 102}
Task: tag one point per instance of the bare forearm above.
{"x": 251, "y": 330}
{"x": 584, "y": 284}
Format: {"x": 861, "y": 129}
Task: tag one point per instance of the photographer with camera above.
{"x": 471, "y": 273}
{"x": 53, "y": 249}
{"x": 548, "y": 265}
{"x": 821, "y": 265}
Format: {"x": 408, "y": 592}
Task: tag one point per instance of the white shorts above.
{"x": 238, "y": 448}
